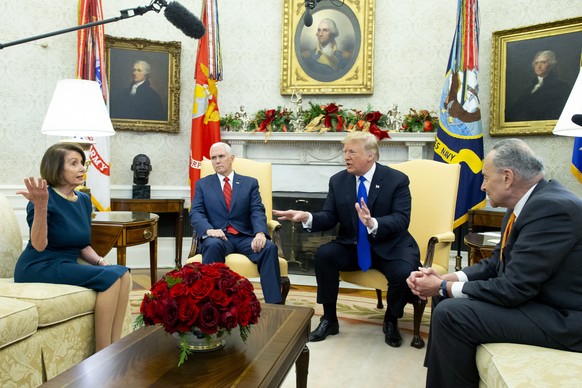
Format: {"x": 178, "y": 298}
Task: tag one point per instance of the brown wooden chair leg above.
{"x": 419, "y": 305}
{"x": 380, "y": 305}
{"x": 285, "y": 287}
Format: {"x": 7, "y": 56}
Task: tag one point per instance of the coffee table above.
{"x": 148, "y": 357}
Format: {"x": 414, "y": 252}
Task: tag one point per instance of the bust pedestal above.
{"x": 141, "y": 192}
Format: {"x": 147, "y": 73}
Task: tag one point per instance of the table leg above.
{"x": 179, "y": 234}
{"x": 302, "y": 368}
{"x": 121, "y": 255}
{"x": 154, "y": 260}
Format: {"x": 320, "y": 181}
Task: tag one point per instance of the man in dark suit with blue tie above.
{"x": 230, "y": 218}
{"x": 528, "y": 292}
{"x": 371, "y": 203}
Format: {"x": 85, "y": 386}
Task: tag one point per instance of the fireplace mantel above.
{"x": 303, "y": 161}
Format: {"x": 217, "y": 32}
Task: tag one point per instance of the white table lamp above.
{"x": 77, "y": 109}
{"x": 572, "y": 113}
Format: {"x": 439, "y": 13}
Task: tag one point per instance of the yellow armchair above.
{"x": 237, "y": 262}
{"x": 433, "y": 186}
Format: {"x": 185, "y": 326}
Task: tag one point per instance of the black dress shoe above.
{"x": 392, "y": 336}
{"x": 325, "y": 328}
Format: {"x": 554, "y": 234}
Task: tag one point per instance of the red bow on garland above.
{"x": 372, "y": 120}
{"x": 332, "y": 112}
{"x": 271, "y": 117}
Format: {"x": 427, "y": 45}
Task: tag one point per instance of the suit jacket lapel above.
{"x": 236, "y": 185}
{"x": 375, "y": 186}
{"x": 351, "y": 185}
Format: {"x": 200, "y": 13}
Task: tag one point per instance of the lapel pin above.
{"x": 377, "y": 186}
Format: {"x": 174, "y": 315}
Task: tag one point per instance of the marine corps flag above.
{"x": 460, "y": 134}
{"x": 90, "y": 66}
{"x": 205, "y": 115}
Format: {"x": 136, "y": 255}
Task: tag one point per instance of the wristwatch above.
{"x": 443, "y": 290}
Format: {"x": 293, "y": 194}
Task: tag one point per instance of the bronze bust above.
{"x": 141, "y": 168}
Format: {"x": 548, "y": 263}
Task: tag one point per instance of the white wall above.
{"x": 412, "y": 43}
{"x": 413, "y": 40}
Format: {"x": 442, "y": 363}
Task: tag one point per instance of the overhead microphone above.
{"x": 307, "y": 19}
{"x": 577, "y": 119}
{"x": 184, "y": 20}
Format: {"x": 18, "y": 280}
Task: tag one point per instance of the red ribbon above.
{"x": 270, "y": 116}
{"x": 372, "y": 118}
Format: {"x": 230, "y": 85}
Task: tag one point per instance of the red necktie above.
{"x": 506, "y": 233}
{"x": 227, "y": 190}
{"x": 227, "y": 193}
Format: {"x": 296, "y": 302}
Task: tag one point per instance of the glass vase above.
{"x": 200, "y": 342}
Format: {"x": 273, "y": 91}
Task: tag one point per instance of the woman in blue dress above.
{"x": 60, "y": 232}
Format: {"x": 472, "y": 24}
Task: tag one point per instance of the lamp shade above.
{"x": 77, "y": 109}
{"x": 565, "y": 125}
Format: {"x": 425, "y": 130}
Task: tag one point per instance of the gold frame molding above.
{"x": 164, "y": 56}
{"x": 356, "y": 76}
{"x": 518, "y": 47}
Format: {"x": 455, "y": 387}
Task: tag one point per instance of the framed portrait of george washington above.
{"x": 333, "y": 55}
{"x": 144, "y": 84}
{"x": 533, "y": 71}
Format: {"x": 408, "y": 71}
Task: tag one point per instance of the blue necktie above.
{"x": 364, "y": 254}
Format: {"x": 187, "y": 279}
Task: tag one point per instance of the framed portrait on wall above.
{"x": 333, "y": 55}
{"x": 532, "y": 74}
{"x": 144, "y": 84}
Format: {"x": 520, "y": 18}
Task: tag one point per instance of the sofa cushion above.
{"x": 10, "y": 239}
{"x": 18, "y": 320}
{"x": 514, "y": 365}
{"x": 55, "y": 302}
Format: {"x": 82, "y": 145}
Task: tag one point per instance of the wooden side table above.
{"x": 480, "y": 247}
{"x": 485, "y": 219}
{"x": 170, "y": 205}
{"x": 482, "y": 220}
{"x": 125, "y": 229}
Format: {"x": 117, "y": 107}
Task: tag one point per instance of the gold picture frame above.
{"x": 154, "y": 105}
{"x": 349, "y": 70}
{"x": 516, "y": 109}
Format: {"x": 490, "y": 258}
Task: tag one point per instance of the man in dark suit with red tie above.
{"x": 377, "y": 218}
{"x": 229, "y": 217}
{"x": 528, "y": 292}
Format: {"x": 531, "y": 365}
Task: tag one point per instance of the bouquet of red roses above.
{"x": 210, "y": 298}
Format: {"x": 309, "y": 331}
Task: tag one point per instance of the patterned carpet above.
{"x": 353, "y": 304}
